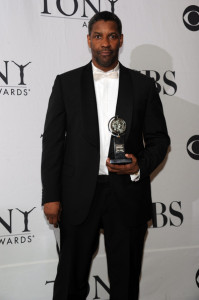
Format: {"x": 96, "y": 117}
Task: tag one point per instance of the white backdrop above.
{"x": 161, "y": 39}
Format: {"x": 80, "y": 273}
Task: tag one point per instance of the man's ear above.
{"x": 121, "y": 40}
{"x": 89, "y": 40}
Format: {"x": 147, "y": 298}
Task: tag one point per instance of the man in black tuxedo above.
{"x": 82, "y": 190}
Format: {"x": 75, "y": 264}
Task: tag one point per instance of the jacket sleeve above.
{"x": 155, "y": 134}
{"x": 53, "y": 145}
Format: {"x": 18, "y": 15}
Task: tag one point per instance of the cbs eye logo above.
{"x": 193, "y": 147}
{"x": 197, "y": 278}
{"x": 191, "y": 17}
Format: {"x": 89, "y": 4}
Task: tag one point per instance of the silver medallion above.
{"x": 117, "y": 126}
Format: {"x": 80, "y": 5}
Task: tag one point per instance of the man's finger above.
{"x": 124, "y": 171}
{"x": 119, "y": 167}
{"x": 112, "y": 170}
{"x": 53, "y": 221}
{"x": 134, "y": 159}
{"x": 50, "y": 220}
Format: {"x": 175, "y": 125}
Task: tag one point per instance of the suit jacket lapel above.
{"x": 124, "y": 108}
{"x": 89, "y": 107}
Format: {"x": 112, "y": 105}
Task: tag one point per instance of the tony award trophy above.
{"x": 117, "y": 127}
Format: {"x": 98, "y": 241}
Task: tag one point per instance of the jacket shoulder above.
{"x": 72, "y": 73}
{"x": 139, "y": 77}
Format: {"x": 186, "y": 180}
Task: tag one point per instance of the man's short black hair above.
{"x": 105, "y": 16}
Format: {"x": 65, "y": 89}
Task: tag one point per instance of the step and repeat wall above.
{"x": 42, "y": 38}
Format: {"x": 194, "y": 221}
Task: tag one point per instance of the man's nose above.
{"x": 106, "y": 42}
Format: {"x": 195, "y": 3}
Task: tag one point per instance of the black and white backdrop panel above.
{"x": 42, "y": 38}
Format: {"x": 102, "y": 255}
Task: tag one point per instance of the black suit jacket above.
{"x": 70, "y": 159}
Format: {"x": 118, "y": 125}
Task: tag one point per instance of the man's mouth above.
{"x": 105, "y": 52}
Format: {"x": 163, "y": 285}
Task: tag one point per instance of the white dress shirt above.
{"x": 106, "y": 90}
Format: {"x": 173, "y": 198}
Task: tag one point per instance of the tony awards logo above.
{"x": 13, "y": 78}
{"x": 117, "y": 127}
{"x": 17, "y": 232}
{"x": 76, "y": 9}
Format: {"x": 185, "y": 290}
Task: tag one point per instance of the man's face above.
{"x": 105, "y": 42}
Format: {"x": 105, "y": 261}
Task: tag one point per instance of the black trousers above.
{"x": 124, "y": 249}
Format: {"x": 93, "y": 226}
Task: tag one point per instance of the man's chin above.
{"x": 105, "y": 63}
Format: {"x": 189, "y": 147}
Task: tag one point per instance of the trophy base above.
{"x": 121, "y": 161}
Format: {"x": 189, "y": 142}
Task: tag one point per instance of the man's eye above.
{"x": 113, "y": 36}
{"x": 97, "y": 36}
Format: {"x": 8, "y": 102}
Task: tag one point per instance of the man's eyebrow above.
{"x": 116, "y": 33}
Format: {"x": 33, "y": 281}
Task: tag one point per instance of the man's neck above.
{"x": 97, "y": 69}
{"x": 105, "y": 69}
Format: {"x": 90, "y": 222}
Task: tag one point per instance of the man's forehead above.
{"x": 101, "y": 26}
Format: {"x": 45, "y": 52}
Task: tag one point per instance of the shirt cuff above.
{"x": 135, "y": 177}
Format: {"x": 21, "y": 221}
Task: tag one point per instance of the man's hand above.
{"x": 52, "y": 211}
{"x": 130, "y": 169}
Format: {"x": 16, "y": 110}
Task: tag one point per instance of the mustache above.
{"x": 105, "y": 50}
